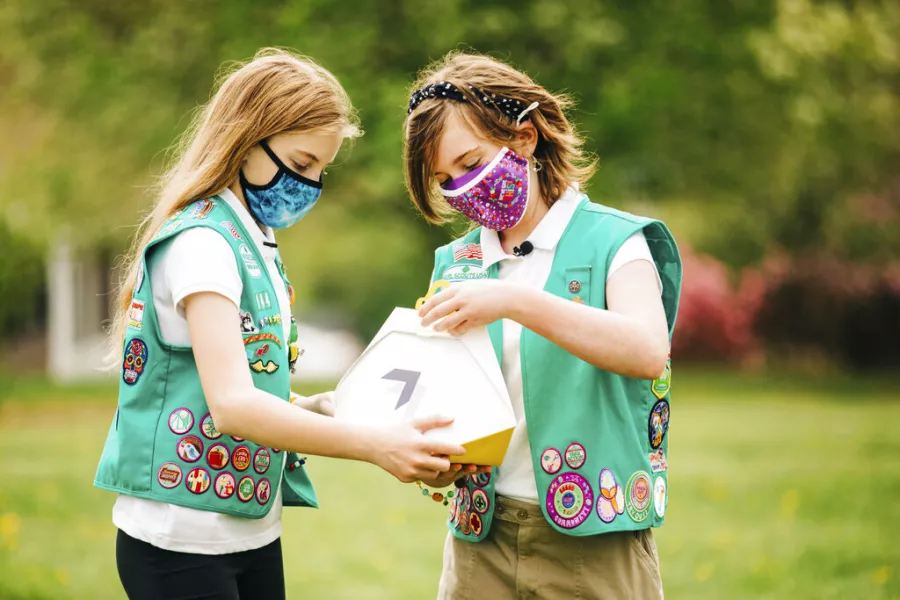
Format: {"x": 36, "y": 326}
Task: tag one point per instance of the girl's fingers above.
{"x": 442, "y": 310}
{"x": 451, "y": 322}
{"x": 437, "y": 300}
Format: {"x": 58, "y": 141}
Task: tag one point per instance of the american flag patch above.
{"x": 467, "y": 251}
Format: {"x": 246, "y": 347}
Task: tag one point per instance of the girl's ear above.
{"x": 527, "y": 139}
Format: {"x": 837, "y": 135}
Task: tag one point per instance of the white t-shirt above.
{"x": 201, "y": 260}
{"x": 516, "y": 477}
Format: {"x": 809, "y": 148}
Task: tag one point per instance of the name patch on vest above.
{"x": 458, "y": 273}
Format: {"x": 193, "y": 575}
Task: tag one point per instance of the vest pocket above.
{"x": 578, "y": 284}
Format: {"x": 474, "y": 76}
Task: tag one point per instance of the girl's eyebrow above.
{"x": 460, "y": 158}
{"x": 312, "y": 157}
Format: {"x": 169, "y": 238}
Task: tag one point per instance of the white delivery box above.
{"x": 408, "y": 371}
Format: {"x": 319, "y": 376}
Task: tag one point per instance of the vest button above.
{"x": 522, "y": 514}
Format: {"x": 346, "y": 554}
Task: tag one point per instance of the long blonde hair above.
{"x": 277, "y": 91}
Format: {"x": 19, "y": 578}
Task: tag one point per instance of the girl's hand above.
{"x": 322, "y": 404}
{"x": 456, "y": 471}
{"x": 404, "y": 452}
{"x": 469, "y": 304}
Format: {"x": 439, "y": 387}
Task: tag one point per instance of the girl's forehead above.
{"x": 456, "y": 138}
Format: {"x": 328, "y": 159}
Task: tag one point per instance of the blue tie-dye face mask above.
{"x": 284, "y": 200}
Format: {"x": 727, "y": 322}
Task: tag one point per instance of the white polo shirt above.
{"x": 200, "y": 260}
{"x": 516, "y": 477}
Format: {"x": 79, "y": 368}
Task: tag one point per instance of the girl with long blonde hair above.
{"x": 206, "y": 443}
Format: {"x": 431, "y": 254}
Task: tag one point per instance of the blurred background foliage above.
{"x": 764, "y": 132}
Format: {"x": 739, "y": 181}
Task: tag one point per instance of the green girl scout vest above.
{"x": 162, "y": 443}
{"x": 598, "y": 440}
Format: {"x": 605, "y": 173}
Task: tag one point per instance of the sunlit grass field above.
{"x": 778, "y": 489}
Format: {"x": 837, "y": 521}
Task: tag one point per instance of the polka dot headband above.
{"x": 514, "y": 109}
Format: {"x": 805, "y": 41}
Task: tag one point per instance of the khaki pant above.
{"x": 523, "y": 557}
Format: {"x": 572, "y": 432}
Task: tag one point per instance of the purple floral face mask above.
{"x": 495, "y": 196}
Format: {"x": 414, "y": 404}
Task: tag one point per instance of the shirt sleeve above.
{"x": 200, "y": 260}
{"x": 634, "y": 248}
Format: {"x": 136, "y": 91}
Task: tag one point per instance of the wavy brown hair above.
{"x": 275, "y": 92}
{"x": 559, "y": 147}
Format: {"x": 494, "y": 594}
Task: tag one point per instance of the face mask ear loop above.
{"x": 522, "y": 114}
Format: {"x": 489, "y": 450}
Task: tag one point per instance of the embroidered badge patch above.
{"x": 264, "y": 367}
{"x": 208, "y": 428}
{"x": 134, "y": 361}
{"x": 231, "y": 229}
{"x": 452, "y": 509}
{"x": 169, "y": 475}
{"x": 247, "y": 325}
{"x": 464, "y": 523}
{"x": 465, "y": 500}
{"x": 577, "y": 300}
{"x": 136, "y": 315}
{"x": 261, "y": 461}
{"x": 246, "y": 489}
{"x": 611, "y": 501}
{"x": 217, "y": 456}
{"x": 481, "y": 479}
{"x": 570, "y": 500}
{"x": 224, "y": 486}
{"x": 250, "y": 262}
{"x": 457, "y": 273}
{"x": 661, "y": 384}
{"x": 658, "y": 463}
{"x": 237, "y": 439}
{"x": 480, "y": 501}
{"x": 263, "y": 491}
{"x": 197, "y": 480}
{"x": 190, "y": 448}
{"x": 263, "y": 301}
{"x": 658, "y": 423}
{"x": 467, "y": 252}
{"x": 240, "y": 458}
{"x": 181, "y": 420}
{"x": 575, "y": 455}
{"x": 475, "y": 524}
{"x": 659, "y": 496}
{"x": 262, "y": 337}
{"x": 201, "y": 209}
{"x": 638, "y": 496}
{"x": 139, "y": 280}
{"x": 551, "y": 461}
{"x": 574, "y": 286}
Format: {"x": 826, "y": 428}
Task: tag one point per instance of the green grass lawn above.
{"x": 778, "y": 489}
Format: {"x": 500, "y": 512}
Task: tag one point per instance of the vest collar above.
{"x": 259, "y": 233}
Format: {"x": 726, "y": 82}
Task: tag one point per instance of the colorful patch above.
{"x": 270, "y": 321}
{"x": 181, "y": 420}
{"x": 452, "y": 509}
{"x": 611, "y": 501}
{"x": 263, "y": 491}
{"x": 240, "y": 458}
{"x": 464, "y": 523}
{"x": 475, "y": 524}
{"x": 169, "y": 475}
{"x": 458, "y": 273}
{"x": 237, "y": 439}
{"x": 659, "y": 496}
{"x": 658, "y": 423}
{"x": 247, "y": 325}
{"x": 208, "y": 428}
{"x": 263, "y": 367}
{"x": 201, "y": 209}
{"x": 480, "y": 501}
{"x": 658, "y": 463}
{"x": 134, "y": 361}
{"x": 262, "y": 350}
{"x": 250, "y": 262}
{"x": 190, "y": 448}
{"x": 136, "y": 314}
{"x": 570, "y": 500}
{"x": 465, "y": 500}
{"x": 638, "y": 496}
{"x": 217, "y": 456}
{"x": 197, "y": 480}
{"x": 577, "y": 300}
{"x": 139, "y": 280}
{"x": 292, "y": 296}
{"x": 481, "y": 479}
{"x": 246, "y": 489}
{"x": 231, "y": 229}
{"x": 575, "y": 455}
{"x": 261, "y": 461}
{"x": 224, "y": 486}
{"x": 661, "y": 384}
{"x": 262, "y": 337}
{"x": 263, "y": 301}
{"x": 551, "y": 461}
{"x": 574, "y": 286}
{"x": 467, "y": 252}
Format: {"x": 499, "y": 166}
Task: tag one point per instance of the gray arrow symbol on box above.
{"x": 409, "y": 379}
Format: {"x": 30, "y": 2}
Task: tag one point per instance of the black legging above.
{"x": 150, "y": 573}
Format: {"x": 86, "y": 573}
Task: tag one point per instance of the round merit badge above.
{"x": 240, "y": 458}
{"x": 197, "y": 480}
{"x": 480, "y": 501}
{"x": 245, "y": 489}
{"x": 224, "y": 486}
{"x": 570, "y": 500}
{"x": 263, "y": 491}
{"x": 208, "y": 428}
{"x": 551, "y": 460}
{"x": 217, "y": 456}
{"x": 638, "y": 496}
{"x": 261, "y": 460}
{"x": 481, "y": 479}
{"x": 169, "y": 475}
{"x": 611, "y": 501}
{"x": 658, "y": 423}
{"x": 659, "y": 496}
{"x": 181, "y": 420}
{"x": 575, "y": 455}
{"x": 190, "y": 448}
{"x": 464, "y": 523}
{"x": 475, "y": 524}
